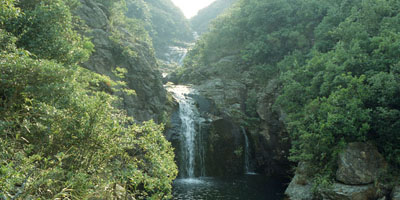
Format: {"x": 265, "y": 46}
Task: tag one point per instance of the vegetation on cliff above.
{"x": 165, "y": 23}
{"x": 336, "y": 65}
{"x": 61, "y": 134}
{"x": 202, "y": 20}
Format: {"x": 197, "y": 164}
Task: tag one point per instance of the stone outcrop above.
{"x": 395, "y": 195}
{"x": 359, "y": 164}
{"x": 340, "y": 191}
{"x": 273, "y": 148}
{"x": 300, "y": 188}
{"x": 142, "y": 76}
{"x": 224, "y": 152}
{"x": 231, "y": 99}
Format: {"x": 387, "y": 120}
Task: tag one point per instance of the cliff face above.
{"x": 265, "y": 129}
{"x": 217, "y": 72}
{"x": 117, "y": 46}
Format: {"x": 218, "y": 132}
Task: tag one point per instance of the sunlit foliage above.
{"x": 61, "y": 135}
{"x": 337, "y": 64}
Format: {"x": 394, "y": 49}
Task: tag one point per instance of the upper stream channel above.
{"x": 193, "y": 182}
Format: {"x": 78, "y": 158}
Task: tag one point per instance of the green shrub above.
{"x": 62, "y": 138}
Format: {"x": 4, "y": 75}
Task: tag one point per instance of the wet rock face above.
{"x": 272, "y": 149}
{"x": 142, "y": 76}
{"x": 230, "y": 97}
{"x": 224, "y": 155}
{"x": 173, "y": 134}
{"x": 359, "y": 164}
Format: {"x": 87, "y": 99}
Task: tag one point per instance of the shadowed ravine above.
{"x": 193, "y": 182}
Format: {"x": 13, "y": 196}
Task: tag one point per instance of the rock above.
{"x": 340, "y": 191}
{"x": 142, "y": 73}
{"x": 93, "y": 14}
{"x": 396, "y": 193}
{"x": 224, "y": 92}
{"x": 273, "y": 149}
{"x": 224, "y": 153}
{"x": 299, "y": 189}
{"x": 359, "y": 164}
{"x": 268, "y": 136}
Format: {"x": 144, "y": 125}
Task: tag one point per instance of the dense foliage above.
{"x": 61, "y": 136}
{"x": 202, "y": 20}
{"x": 336, "y": 62}
{"x": 165, "y": 22}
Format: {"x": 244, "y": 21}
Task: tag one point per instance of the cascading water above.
{"x": 247, "y": 155}
{"x": 191, "y": 137}
{"x": 192, "y": 161}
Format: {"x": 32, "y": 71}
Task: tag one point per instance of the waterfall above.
{"x": 191, "y": 137}
{"x": 176, "y": 54}
{"x": 184, "y": 53}
{"x": 247, "y": 154}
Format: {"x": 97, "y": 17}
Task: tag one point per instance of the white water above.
{"x": 176, "y": 54}
{"x": 247, "y": 155}
{"x": 190, "y": 119}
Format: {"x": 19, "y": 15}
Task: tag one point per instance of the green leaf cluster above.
{"x": 336, "y": 65}
{"x": 61, "y": 135}
{"x": 46, "y": 29}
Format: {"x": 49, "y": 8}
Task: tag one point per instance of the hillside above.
{"x": 121, "y": 41}
{"x": 165, "y": 23}
{"x": 200, "y": 23}
{"x": 324, "y": 72}
{"x": 277, "y": 99}
{"x": 67, "y": 132}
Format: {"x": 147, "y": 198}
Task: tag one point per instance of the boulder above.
{"x": 396, "y": 193}
{"x": 359, "y": 164}
{"x": 300, "y": 188}
{"x": 339, "y": 191}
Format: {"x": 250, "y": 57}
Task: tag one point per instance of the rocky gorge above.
{"x": 232, "y": 108}
{"x": 257, "y": 87}
{"x": 248, "y": 100}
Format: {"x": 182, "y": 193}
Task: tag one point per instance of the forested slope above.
{"x": 328, "y": 69}
{"x": 62, "y": 133}
{"x": 164, "y": 21}
{"x": 202, "y": 20}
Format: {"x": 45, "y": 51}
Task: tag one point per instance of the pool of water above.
{"x": 246, "y": 187}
